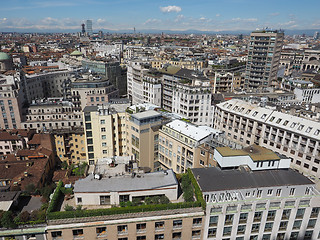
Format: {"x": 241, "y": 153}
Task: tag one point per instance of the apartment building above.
{"x": 53, "y": 113}
{"x": 70, "y": 145}
{"x": 193, "y": 101}
{"x": 105, "y": 131}
{"x": 14, "y": 139}
{"x": 178, "y": 146}
{"x": 143, "y": 137}
{"x": 263, "y": 58}
{"x": 293, "y": 136}
{"x": 165, "y": 224}
{"x": 271, "y": 204}
{"x": 224, "y": 82}
{"x": 89, "y": 90}
{"x": 11, "y": 100}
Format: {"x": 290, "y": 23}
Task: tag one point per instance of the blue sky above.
{"x": 205, "y": 15}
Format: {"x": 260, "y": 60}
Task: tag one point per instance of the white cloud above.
{"x": 169, "y": 9}
{"x": 152, "y": 21}
{"x": 218, "y": 15}
{"x": 244, "y": 19}
{"x": 274, "y": 14}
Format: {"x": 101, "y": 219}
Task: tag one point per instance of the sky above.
{"x": 176, "y": 15}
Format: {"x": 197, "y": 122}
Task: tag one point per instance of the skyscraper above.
{"x": 89, "y": 27}
{"x": 264, "y": 52}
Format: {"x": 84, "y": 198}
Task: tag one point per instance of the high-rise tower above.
{"x": 264, "y": 52}
{"x": 89, "y": 27}
{"x": 83, "y": 28}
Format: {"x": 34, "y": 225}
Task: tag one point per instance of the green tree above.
{"x": 7, "y": 220}
{"x": 68, "y": 208}
{"x": 30, "y": 188}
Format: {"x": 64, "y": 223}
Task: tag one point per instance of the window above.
{"x": 315, "y": 212}
{"x": 104, "y": 200}
{"x": 257, "y": 216}
{"x": 229, "y": 219}
{"x": 141, "y": 227}
{"x": 101, "y": 231}
{"x": 102, "y": 121}
{"x": 269, "y": 193}
{"x": 103, "y": 137}
{"x": 212, "y": 232}
{"x": 294, "y": 235}
{"x": 259, "y": 193}
{"x": 196, "y": 233}
{"x": 311, "y": 223}
{"x": 292, "y": 190}
{"x": 278, "y": 193}
{"x": 266, "y": 237}
{"x": 178, "y": 223}
{"x": 124, "y": 198}
{"x": 227, "y": 231}
{"x": 255, "y": 227}
{"x": 141, "y": 237}
{"x": 56, "y": 234}
{"x": 159, "y": 225}
{"x": 77, "y": 232}
{"x": 176, "y": 235}
{"x": 271, "y": 215}
{"x": 122, "y": 229}
{"x": 297, "y": 224}
{"x": 241, "y": 229}
{"x": 286, "y": 213}
{"x": 197, "y": 221}
{"x": 79, "y": 200}
{"x": 268, "y": 227}
{"x": 103, "y": 129}
{"x": 300, "y": 213}
{"x": 159, "y": 236}
{"x": 213, "y": 221}
{"x": 308, "y": 235}
{"x": 243, "y": 217}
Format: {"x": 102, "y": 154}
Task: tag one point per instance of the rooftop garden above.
{"x": 191, "y": 194}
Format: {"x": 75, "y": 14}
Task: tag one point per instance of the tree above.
{"x": 7, "y": 220}
{"x": 68, "y": 208}
{"x": 24, "y": 216}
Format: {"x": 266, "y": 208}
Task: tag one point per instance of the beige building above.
{"x": 157, "y": 225}
{"x": 105, "y": 131}
{"x": 182, "y": 146}
{"x": 191, "y": 65}
{"x": 142, "y": 137}
{"x": 70, "y": 145}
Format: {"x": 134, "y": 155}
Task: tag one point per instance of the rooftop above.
{"x": 143, "y": 181}
{"x": 190, "y": 130}
{"x": 257, "y": 153}
{"x": 146, "y": 114}
{"x": 237, "y": 179}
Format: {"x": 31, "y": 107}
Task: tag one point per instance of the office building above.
{"x": 179, "y": 146}
{"x": 270, "y": 204}
{"x": 89, "y": 27}
{"x": 292, "y": 136}
{"x": 264, "y": 53}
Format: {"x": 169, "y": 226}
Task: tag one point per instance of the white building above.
{"x": 295, "y": 137}
{"x": 254, "y": 156}
{"x": 272, "y": 204}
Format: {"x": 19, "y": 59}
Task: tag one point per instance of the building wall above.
{"x": 294, "y": 137}
{"x": 188, "y": 229}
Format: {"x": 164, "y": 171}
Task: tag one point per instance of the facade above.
{"x": 271, "y": 204}
{"x": 178, "y": 146}
{"x": 167, "y": 224}
{"x": 263, "y": 58}
{"x": 91, "y": 91}
{"x": 193, "y": 102}
{"x": 112, "y": 190}
{"x": 51, "y": 114}
{"x": 70, "y": 145}
{"x": 295, "y": 137}
{"x": 105, "y": 131}
{"x": 11, "y": 100}
{"x": 254, "y": 157}
{"x": 224, "y": 82}
{"x": 142, "y": 137}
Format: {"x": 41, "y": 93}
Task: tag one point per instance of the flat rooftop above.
{"x": 214, "y": 179}
{"x": 146, "y": 114}
{"x": 257, "y": 153}
{"x": 144, "y": 181}
{"x": 190, "y": 130}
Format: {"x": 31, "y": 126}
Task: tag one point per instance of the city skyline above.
{"x": 203, "y": 15}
